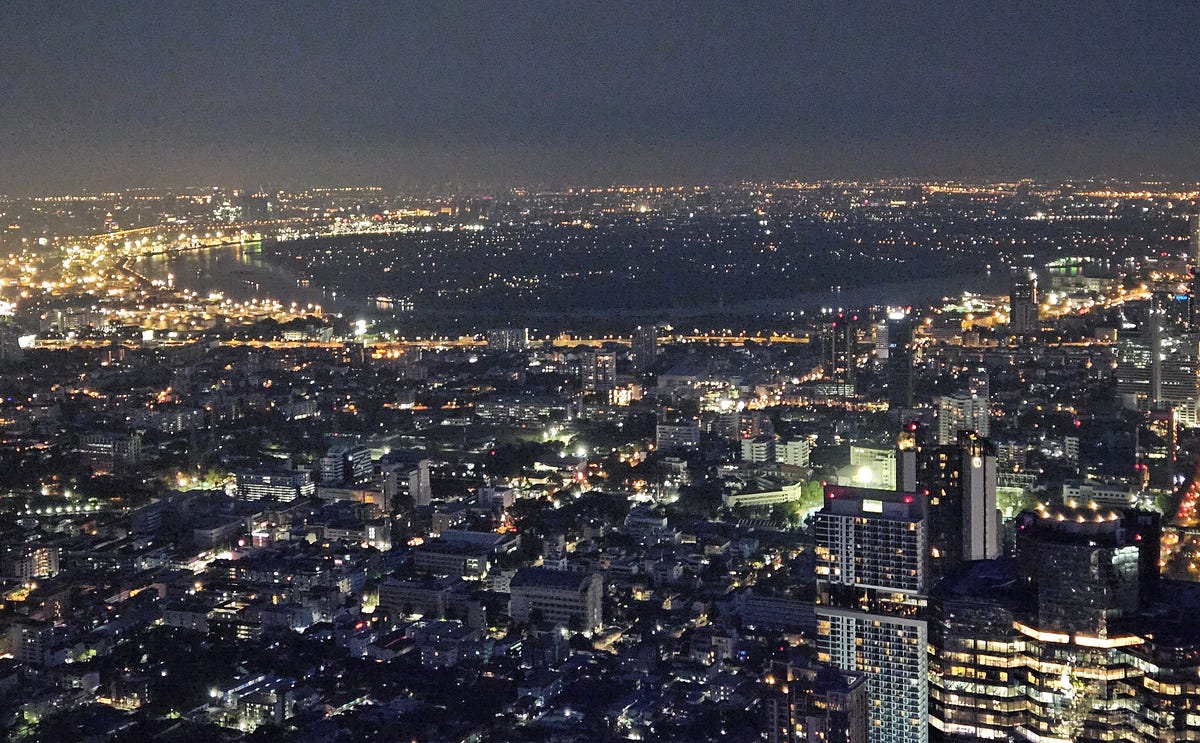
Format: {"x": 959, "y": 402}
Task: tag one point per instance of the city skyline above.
{"x": 677, "y": 371}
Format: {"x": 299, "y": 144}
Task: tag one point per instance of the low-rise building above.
{"x": 552, "y": 597}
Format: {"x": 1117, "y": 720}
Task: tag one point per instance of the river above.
{"x": 240, "y": 273}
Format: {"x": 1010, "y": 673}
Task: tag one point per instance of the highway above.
{"x": 428, "y": 344}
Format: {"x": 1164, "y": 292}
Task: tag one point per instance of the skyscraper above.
{"x": 960, "y": 482}
{"x": 1069, "y": 642}
{"x": 871, "y": 550}
{"x": 1179, "y": 375}
{"x": 1089, "y": 566}
{"x": 1138, "y": 370}
{"x": 1023, "y": 304}
{"x": 981, "y": 517}
{"x": 839, "y": 348}
{"x": 1193, "y": 294}
{"x": 1157, "y": 438}
{"x": 1176, "y": 310}
{"x": 1194, "y": 231}
{"x": 1089, "y": 569}
{"x": 974, "y": 693}
{"x": 645, "y": 347}
{"x": 1158, "y": 362}
{"x": 898, "y": 364}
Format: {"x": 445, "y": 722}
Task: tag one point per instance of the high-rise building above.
{"x": 29, "y": 562}
{"x": 881, "y": 341}
{"x": 27, "y": 640}
{"x": 1088, "y": 566}
{"x": 1179, "y": 375}
{"x": 1023, "y": 304}
{"x": 1193, "y": 299}
{"x": 960, "y": 481}
{"x": 1069, "y": 642}
{"x": 975, "y": 649}
{"x": 725, "y": 424}
{"x": 979, "y": 386}
{"x": 814, "y": 704}
{"x": 1157, "y": 438}
{"x": 871, "y": 557}
{"x": 645, "y": 347}
{"x": 873, "y": 468}
{"x": 755, "y": 423}
{"x": 981, "y": 517}
{"x": 674, "y": 434}
{"x": 898, "y": 359}
{"x": 1193, "y": 295}
{"x": 1158, "y": 362}
{"x": 508, "y": 340}
{"x": 910, "y": 446}
{"x": 962, "y": 412}
{"x": 598, "y": 370}
{"x": 111, "y": 451}
{"x": 345, "y": 463}
{"x": 1194, "y": 234}
{"x": 795, "y": 452}
{"x": 407, "y": 480}
{"x": 1176, "y": 310}
{"x": 1138, "y": 371}
{"x": 839, "y": 344}
{"x": 332, "y": 467}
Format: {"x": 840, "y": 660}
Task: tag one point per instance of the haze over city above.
{"x": 125, "y": 94}
{"x": 556, "y": 372}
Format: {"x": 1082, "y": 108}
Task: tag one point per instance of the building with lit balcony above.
{"x": 871, "y": 571}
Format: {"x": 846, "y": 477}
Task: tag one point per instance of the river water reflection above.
{"x": 240, "y": 273}
{"x": 244, "y": 273}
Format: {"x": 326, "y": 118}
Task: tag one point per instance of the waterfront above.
{"x": 247, "y": 274}
{"x": 239, "y": 273}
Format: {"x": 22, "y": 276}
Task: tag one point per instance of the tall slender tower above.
{"x": 1023, "y": 304}
{"x": 1194, "y": 225}
{"x": 838, "y": 347}
{"x": 980, "y": 516}
{"x": 645, "y": 347}
{"x": 899, "y": 364}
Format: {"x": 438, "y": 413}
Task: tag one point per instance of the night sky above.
{"x": 103, "y": 95}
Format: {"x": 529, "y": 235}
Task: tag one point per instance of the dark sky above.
{"x": 288, "y": 93}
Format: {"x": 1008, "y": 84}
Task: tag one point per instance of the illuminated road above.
{"x": 427, "y": 344}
